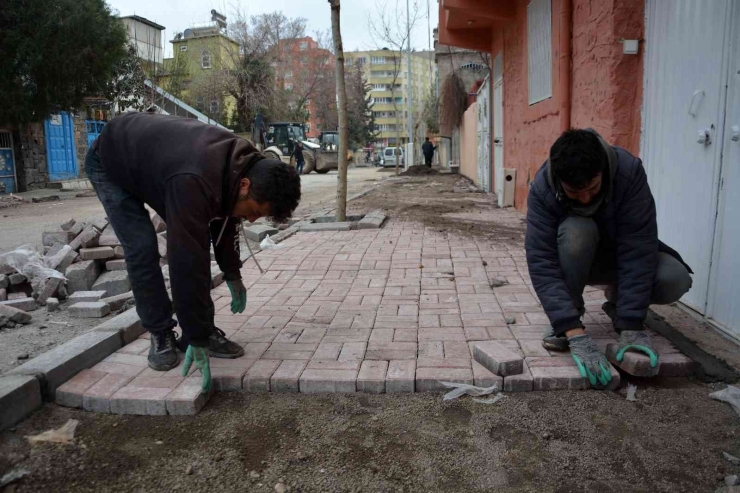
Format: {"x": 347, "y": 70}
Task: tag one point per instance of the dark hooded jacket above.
{"x": 189, "y": 173}
{"x": 624, "y": 211}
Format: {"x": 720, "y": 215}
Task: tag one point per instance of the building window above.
{"x": 539, "y": 50}
{"x": 205, "y": 59}
{"x": 183, "y": 47}
{"x": 303, "y": 46}
{"x": 377, "y": 60}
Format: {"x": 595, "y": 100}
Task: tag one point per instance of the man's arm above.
{"x": 541, "y": 243}
{"x": 227, "y": 250}
{"x": 189, "y": 255}
{"x": 637, "y": 252}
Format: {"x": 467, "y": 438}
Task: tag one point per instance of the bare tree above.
{"x": 343, "y": 127}
{"x": 389, "y": 29}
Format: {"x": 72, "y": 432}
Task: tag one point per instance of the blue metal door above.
{"x": 94, "y": 127}
{"x": 7, "y": 165}
{"x": 61, "y": 156}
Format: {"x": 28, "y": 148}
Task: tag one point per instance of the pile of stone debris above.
{"x": 91, "y": 258}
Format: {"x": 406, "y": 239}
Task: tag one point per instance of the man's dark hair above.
{"x": 278, "y": 184}
{"x": 577, "y": 157}
{"x": 427, "y": 138}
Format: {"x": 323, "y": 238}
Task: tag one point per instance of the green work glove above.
{"x": 638, "y": 341}
{"x": 590, "y": 360}
{"x": 238, "y": 295}
{"x": 200, "y": 356}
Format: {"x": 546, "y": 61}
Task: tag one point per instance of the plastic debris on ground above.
{"x": 65, "y": 434}
{"x": 492, "y": 400}
{"x": 27, "y": 261}
{"x": 631, "y": 392}
{"x": 731, "y": 458}
{"x": 731, "y": 480}
{"x": 268, "y": 244}
{"x": 13, "y": 476}
{"x": 464, "y": 388}
{"x": 730, "y": 395}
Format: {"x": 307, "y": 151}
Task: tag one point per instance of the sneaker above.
{"x": 221, "y": 347}
{"x": 162, "y": 353}
{"x": 553, "y": 342}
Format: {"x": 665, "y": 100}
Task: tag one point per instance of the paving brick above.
{"x": 4, "y": 281}
{"x": 428, "y": 379}
{"x": 257, "y": 378}
{"x": 118, "y": 264}
{"x": 66, "y": 261}
{"x": 20, "y": 395}
{"x": 187, "y": 399}
{"x": 400, "y": 377}
{"x": 89, "y": 309}
{"x": 109, "y": 239}
{"x": 52, "y": 304}
{"x": 328, "y": 350}
{"x": 497, "y": 358}
{"x": 113, "y": 283}
{"x": 117, "y": 302}
{"x": 87, "y": 239}
{"x": 97, "y": 253}
{"x": 139, "y": 400}
{"x": 330, "y": 364}
{"x": 558, "y": 378}
{"x": 25, "y": 304}
{"x": 70, "y": 393}
{"x": 97, "y": 397}
{"x": 14, "y": 314}
{"x": 391, "y": 351}
{"x": 484, "y": 378}
{"x": 82, "y": 275}
{"x": 59, "y": 364}
{"x": 328, "y": 381}
{"x": 676, "y": 365}
{"x": 371, "y": 378}
{"x": 633, "y": 363}
{"x": 285, "y": 378}
{"x": 258, "y": 232}
{"x": 16, "y": 279}
{"x": 120, "y": 254}
{"x": 158, "y": 223}
{"x": 533, "y": 347}
{"x": 67, "y": 225}
{"x": 49, "y": 238}
{"x": 522, "y": 382}
{"x": 352, "y": 351}
{"x": 50, "y": 288}
{"x": 162, "y": 245}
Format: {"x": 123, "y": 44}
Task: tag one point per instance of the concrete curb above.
{"x": 20, "y": 395}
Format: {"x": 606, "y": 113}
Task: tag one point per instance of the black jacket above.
{"x": 298, "y": 153}
{"x": 427, "y": 148}
{"x": 627, "y": 227}
{"x": 188, "y": 172}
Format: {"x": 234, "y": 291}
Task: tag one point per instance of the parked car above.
{"x": 389, "y": 157}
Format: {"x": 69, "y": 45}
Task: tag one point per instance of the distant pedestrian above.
{"x": 428, "y": 149}
{"x": 298, "y": 153}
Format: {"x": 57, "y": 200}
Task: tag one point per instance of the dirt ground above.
{"x": 670, "y": 440}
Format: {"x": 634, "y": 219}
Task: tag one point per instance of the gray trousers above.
{"x": 583, "y": 262}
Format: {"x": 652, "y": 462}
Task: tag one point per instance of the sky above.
{"x": 178, "y": 15}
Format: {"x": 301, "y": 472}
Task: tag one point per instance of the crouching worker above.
{"x": 202, "y": 180}
{"x": 591, "y": 220}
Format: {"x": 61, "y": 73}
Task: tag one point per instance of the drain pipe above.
{"x": 564, "y": 63}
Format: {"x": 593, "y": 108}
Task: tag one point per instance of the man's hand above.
{"x": 637, "y": 340}
{"x": 200, "y": 356}
{"x": 238, "y": 295}
{"x": 590, "y": 360}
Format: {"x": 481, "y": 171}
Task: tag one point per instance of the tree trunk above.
{"x": 342, "y": 107}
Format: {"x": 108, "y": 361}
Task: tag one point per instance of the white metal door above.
{"x": 498, "y": 130}
{"x": 684, "y": 96}
{"x": 724, "y": 287}
{"x": 484, "y": 136}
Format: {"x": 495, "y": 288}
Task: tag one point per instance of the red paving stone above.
{"x": 392, "y": 310}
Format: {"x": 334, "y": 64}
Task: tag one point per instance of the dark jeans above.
{"x": 583, "y": 262}
{"x": 131, "y": 222}
{"x": 428, "y": 160}
{"x": 299, "y": 166}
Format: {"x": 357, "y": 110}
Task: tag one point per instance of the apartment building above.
{"x": 387, "y": 75}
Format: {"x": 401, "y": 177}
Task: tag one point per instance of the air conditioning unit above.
{"x": 506, "y": 199}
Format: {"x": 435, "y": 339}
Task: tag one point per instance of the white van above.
{"x": 389, "y": 157}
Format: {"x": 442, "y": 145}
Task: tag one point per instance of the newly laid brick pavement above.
{"x": 392, "y": 310}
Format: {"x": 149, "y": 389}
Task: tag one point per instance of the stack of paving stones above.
{"x": 392, "y": 310}
{"x": 94, "y": 266}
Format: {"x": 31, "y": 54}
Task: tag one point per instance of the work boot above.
{"x": 162, "y": 353}
{"x": 553, "y": 342}
{"x": 221, "y": 347}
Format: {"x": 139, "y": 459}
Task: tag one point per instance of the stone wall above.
{"x": 30, "y": 151}
{"x": 80, "y": 142}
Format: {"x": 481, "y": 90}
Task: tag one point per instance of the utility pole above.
{"x": 410, "y": 104}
